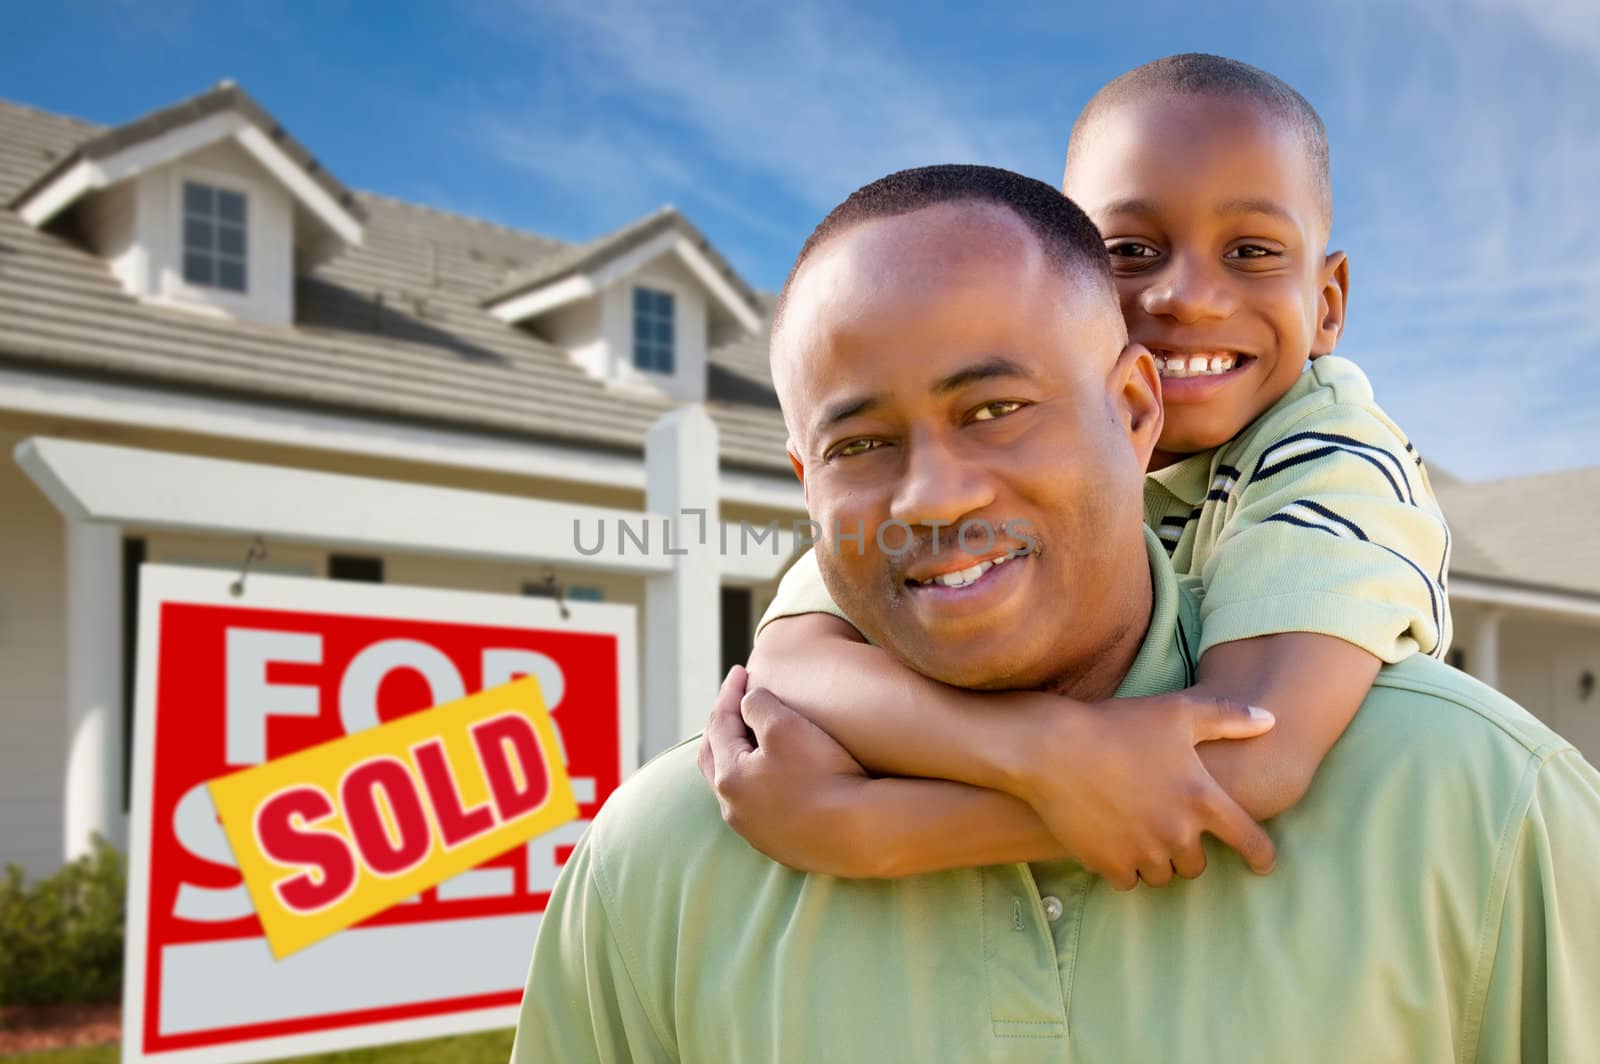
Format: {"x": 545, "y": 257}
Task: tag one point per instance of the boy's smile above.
{"x": 1211, "y": 214}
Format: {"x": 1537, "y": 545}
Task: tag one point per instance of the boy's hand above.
{"x": 790, "y": 791}
{"x": 1121, "y": 787}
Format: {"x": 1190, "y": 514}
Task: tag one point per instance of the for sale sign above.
{"x": 293, "y": 667}
{"x": 342, "y": 831}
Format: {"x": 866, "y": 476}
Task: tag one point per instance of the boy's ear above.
{"x": 1331, "y": 303}
{"x": 1136, "y": 387}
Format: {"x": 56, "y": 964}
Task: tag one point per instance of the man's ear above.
{"x": 799, "y": 470}
{"x": 1136, "y": 389}
{"x": 1331, "y": 304}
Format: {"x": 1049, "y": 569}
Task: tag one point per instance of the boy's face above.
{"x": 1210, "y": 211}
{"x": 935, "y": 369}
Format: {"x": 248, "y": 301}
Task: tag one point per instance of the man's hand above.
{"x": 1121, "y": 787}
{"x": 782, "y": 783}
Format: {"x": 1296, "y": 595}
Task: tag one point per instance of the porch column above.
{"x": 683, "y": 607}
{"x": 1485, "y": 659}
{"x": 93, "y": 783}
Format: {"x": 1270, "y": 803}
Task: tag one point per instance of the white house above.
{"x": 206, "y": 338}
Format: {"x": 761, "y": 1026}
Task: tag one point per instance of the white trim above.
{"x": 1569, "y": 604}
{"x": 83, "y": 177}
{"x": 545, "y": 298}
{"x": 548, "y": 297}
{"x": 32, "y": 393}
{"x": 159, "y": 490}
{"x": 717, "y": 285}
{"x": 299, "y": 184}
{"x": 89, "y": 175}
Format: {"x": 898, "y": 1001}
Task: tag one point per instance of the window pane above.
{"x": 197, "y": 199}
{"x": 197, "y": 269}
{"x": 230, "y": 206}
{"x": 197, "y": 235}
{"x": 664, "y": 304}
{"x": 230, "y": 240}
{"x": 663, "y": 334}
{"x": 641, "y": 329}
{"x": 664, "y": 362}
{"x": 641, "y": 301}
{"x": 230, "y": 275}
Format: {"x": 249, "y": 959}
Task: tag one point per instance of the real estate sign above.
{"x": 279, "y": 676}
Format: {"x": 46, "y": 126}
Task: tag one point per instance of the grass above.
{"x": 491, "y": 1046}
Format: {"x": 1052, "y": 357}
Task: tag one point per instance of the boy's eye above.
{"x": 1130, "y": 249}
{"x": 1251, "y": 251}
{"x": 851, "y": 448}
{"x": 997, "y": 409}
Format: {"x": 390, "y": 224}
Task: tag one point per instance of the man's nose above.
{"x": 941, "y": 485}
{"x": 1188, "y": 291}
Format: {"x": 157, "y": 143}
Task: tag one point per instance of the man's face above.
{"x": 1211, "y": 213}
{"x": 935, "y": 370}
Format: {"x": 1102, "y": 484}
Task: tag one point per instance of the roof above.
{"x": 394, "y": 327}
{"x": 1534, "y": 530}
{"x": 582, "y": 258}
{"x": 225, "y": 96}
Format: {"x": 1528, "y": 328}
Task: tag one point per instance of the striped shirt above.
{"x": 1318, "y": 517}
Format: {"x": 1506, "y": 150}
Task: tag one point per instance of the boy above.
{"x": 1285, "y": 490}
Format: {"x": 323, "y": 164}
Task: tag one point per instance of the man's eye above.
{"x": 851, "y": 448}
{"x": 1130, "y": 249}
{"x": 997, "y": 409}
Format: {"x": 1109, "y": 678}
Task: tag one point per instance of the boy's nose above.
{"x": 1187, "y": 294}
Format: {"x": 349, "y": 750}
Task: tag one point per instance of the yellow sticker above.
{"x": 331, "y": 835}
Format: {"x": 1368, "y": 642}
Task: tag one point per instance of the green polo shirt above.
{"x": 1437, "y": 898}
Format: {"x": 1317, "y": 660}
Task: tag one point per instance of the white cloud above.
{"x": 815, "y": 101}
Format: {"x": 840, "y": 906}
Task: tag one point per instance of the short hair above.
{"x": 1068, "y": 238}
{"x": 1199, "y": 74}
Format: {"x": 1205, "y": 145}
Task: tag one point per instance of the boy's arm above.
{"x": 1313, "y": 683}
{"x": 1120, "y": 786}
{"x": 797, "y": 796}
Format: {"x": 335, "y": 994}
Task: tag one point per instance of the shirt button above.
{"x": 1052, "y": 908}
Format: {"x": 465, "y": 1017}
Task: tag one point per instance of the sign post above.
{"x": 226, "y": 683}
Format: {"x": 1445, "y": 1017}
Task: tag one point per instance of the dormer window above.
{"x": 653, "y": 322}
{"x": 214, "y": 237}
{"x": 207, "y": 206}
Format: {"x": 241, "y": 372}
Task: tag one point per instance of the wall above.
{"x": 269, "y": 298}
{"x": 33, "y": 728}
{"x": 688, "y": 381}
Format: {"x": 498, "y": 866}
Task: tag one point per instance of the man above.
{"x": 948, "y": 349}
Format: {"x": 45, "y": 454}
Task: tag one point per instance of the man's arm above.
{"x": 581, "y": 1004}
{"x": 1542, "y": 956}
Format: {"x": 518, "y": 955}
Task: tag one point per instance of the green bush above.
{"x": 61, "y": 938}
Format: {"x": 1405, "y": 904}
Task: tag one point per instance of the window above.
{"x": 546, "y": 589}
{"x": 736, "y": 633}
{"x": 652, "y": 330}
{"x": 213, "y": 237}
{"x": 356, "y": 568}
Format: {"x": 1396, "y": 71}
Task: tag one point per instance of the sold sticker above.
{"x": 338, "y": 832}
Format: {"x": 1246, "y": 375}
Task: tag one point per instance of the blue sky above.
{"x": 1464, "y": 137}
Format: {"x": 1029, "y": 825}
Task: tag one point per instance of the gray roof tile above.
{"x": 393, "y": 327}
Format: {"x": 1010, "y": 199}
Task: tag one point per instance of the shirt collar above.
{"x": 1189, "y": 479}
{"x": 1165, "y": 661}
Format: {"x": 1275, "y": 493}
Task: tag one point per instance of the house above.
{"x": 191, "y": 300}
